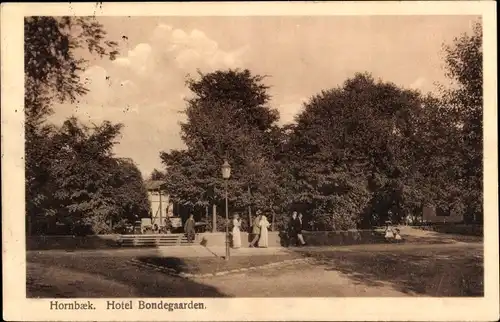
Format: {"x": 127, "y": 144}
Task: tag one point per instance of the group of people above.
{"x": 260, "y": 229}
{"x": 295, "y": 228}
{"x": 392, "y": 234}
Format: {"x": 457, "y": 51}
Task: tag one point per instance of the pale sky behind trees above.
{"x": 144, "y": 88}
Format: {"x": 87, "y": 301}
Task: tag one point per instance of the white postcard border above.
{"x": 18, "y": 307}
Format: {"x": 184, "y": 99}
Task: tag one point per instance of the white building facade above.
{"x": 162, "y": 208}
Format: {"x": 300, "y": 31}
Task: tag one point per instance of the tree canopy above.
{"x": 86, "y": 187}
{"x": 348, "y": 150}
{"x": 228, "y": 118}
{"x": 358, "y": 154}
{"x": 464, "y": 66}
{"x": 72, "y": 177}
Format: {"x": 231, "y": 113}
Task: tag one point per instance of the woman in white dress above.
{"x": 236, "y": 232}
{"x": 389, "y": 233}
{"x": 264, "y": 239}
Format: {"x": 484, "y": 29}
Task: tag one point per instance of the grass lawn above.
{"x": 211, "y": 265}
{"x": 382, "y": 270}
{"x": 429, "y": 271}
{"x": 69, "y": 275}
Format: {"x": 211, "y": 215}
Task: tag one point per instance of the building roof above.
{"x": 154, "y": 184}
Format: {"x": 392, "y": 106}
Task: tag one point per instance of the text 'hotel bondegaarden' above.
{"x": 154, "y": 305}
{"x": 128, "y": 305}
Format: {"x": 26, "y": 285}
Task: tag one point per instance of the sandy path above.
{"x": 306, "y": 281}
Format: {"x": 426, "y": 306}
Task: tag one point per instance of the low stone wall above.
{"x": 338, "y": 238}
{"x": 276, "y": 239}
{"x": 218, "y": 239}
{"x": 456, "y": 229}
{"x": 71, "y": 242}
{"x": 312, "y": 238}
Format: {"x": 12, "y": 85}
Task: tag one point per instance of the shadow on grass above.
{"x": 48, "y": 275}
{"x": 421, "y": 272}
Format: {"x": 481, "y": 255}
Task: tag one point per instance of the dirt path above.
{"x": 292, "y": 282}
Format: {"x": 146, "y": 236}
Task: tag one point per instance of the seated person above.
{"x": 389, "y": 233}
{"x": 397, "y": 236}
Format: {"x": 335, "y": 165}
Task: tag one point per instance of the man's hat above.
{"x": 258, "y": 212}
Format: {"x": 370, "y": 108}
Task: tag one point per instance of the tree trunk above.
{"x": 214, "y": 218}
{"x": 273, "y": 217}
{"x": 249, "y": 212}
{"x": 206, "y": 216}
{"x": 161, "y": 206}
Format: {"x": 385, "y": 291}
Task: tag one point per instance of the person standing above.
{"x": 189, "y": 229}
{"x": 292, "y": 229}
{"x": 236, "y": 232}
{"x": 264, "y": 238}
{"x": 300, "y": 228}
{"x": 256, "y": 229}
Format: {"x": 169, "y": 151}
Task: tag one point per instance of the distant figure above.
{"x": 256, "y": 229}
{"x": 236, "y": 232}
{"x": 292, "y": 231}
{"x": 189, "y": 229}
{"x": 300, "y": 228}
{"x": 264, "y": 238}
{"x": 397, "y": 235}
{"x": 389, "y": 233}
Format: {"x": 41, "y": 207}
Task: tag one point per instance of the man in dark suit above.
{"x": 300, "y": 228}
{"x": 292, "y": 229}
{"x": 296, "y": 226}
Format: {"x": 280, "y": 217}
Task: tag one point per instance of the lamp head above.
{"x": 226, "y": 170}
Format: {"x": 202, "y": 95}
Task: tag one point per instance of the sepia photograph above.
{"x": 251, "y": 156}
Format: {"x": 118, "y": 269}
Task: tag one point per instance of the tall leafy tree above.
{"x": 52, "y": 73}
{"x": 89, "y": 188}
{"x": 81, "y": 176}
{"x": 228, "y": 118}
{"x": 130, "y": 197}
{"x": 51, "y": 64}
{"x": 464, "y": 66}
{"x": 347, "y": 152}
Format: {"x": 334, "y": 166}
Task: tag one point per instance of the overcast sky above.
{"x": 144, "y": 88}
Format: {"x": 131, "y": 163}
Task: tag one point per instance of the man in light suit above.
{"x": 256, "y": 229}
{"x": 189, "y": 229}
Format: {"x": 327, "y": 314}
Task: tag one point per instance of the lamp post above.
{"x": 226, "y": 173}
